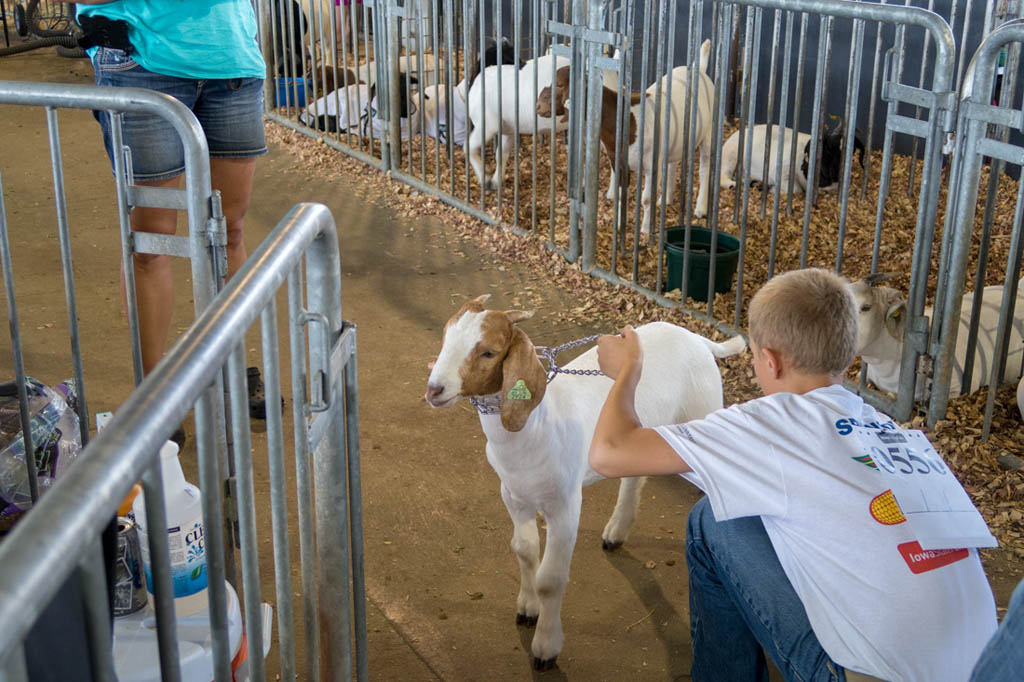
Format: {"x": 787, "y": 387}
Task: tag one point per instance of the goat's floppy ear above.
{"x": 523, "y": 382}
{"x": 481, "y": 299}
{"x": 896, "y": 318}
{"x": 516, "y": 316}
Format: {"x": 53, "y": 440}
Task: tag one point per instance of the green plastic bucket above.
{"x": 726, "y": 256}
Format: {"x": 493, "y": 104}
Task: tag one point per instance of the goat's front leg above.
{"x": 563, "y": 520}
{"x": 526, "y": 546}
{"x": 502, "y": 151}
{"x": 645, "y": 201}
{"x": 670, "y": 183}
{"x": 610, "y": 196}
{"x": 701, "y": 209}
{"x": 476, "y": 150}
{"x": 617, "y": 529}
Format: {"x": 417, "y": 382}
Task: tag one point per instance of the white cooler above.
{"x": 136, "y": 656}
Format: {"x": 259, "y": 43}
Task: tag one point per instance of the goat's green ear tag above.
{"x": 519, "y": 391}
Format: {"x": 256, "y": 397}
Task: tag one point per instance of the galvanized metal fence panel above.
{"x": 204, "y": 246}
{"x": 223, "y": 478}
{"x": 327, "y": 503}
{"x": 987, "y": 115}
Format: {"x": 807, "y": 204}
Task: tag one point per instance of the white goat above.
{"x": 538, "y": 435}
{"x": 880, "y": 337}
{"x": 673, "y": 125}
{"x": 1020, "y": 397}
{"x": 486, "y": 119}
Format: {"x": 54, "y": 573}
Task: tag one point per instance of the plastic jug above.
{"x": 184, "y": 535}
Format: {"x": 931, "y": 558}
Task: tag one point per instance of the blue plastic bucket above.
{"x": 286, "y": 95}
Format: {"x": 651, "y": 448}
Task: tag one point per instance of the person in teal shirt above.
{"x": 204, "y": 53}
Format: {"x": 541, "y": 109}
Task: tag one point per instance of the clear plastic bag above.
{"x": 56, "y": 439}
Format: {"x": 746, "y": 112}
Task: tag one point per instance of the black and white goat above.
{"x": 538, "y": 435}
{"x": 829, "y": 170}
{"x": 356, "y": 108}
{"x": 435, "y": 97}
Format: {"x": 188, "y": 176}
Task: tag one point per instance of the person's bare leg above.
{"x": 154, "y": 290}
{"x": 343, "y": 27}
{"x": 233, "y": 177}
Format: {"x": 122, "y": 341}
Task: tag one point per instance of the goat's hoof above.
{"x": 491, "y": 186}
{"x": 610, "y": 546}
{"x": 542, "y": 664}
{"x": 523, "y": 619}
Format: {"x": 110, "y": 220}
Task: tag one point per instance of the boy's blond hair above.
{"x": 810, "y": 316}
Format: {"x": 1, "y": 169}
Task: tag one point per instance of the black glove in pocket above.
{"x": 102, "y": 31}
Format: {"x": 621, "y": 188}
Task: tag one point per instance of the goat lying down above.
{"x": 538, "y": 435}
{"x": 880, "y": 337}
{"x": 829, "y": 170}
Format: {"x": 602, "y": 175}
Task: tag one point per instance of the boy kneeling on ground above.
{"x": 799, "y": 548}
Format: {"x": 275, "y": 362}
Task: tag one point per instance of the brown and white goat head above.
{"x": 880, "y": 309}
{"x": 483, "y": 352}
{"x": 609, "y": 104}
{"x": 560, "y": 97}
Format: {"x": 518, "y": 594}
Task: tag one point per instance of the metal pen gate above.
{"x": 325, "y": 405}
{"x": 987, "y": 116}
{"x": 334, "y": 619}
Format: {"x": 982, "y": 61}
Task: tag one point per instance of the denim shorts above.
{"x": 229, "y": 110}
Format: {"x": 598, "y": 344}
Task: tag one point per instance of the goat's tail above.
{"x": 723, "y": 350}
{"x": 705, "y": 54}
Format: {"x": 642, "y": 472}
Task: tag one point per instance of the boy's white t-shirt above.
{"x": 877, "y": 604}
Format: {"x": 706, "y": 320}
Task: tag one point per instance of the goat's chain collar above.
{"x": 491, "y": 404}
{"x": 553, "y": 368}
{"x": 486, "y": 404}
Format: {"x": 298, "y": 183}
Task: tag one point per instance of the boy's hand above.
{"x": 621, "y": 353}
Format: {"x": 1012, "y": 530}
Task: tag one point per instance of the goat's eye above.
{"x": 487, "y": 354}
{"x": 865, "y": 308}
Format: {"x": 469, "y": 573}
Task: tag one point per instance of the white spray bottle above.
{"x": 184, "y": 535}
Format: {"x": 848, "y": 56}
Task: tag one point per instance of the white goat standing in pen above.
{"x": 490, "y": 119}
{"x": 538, "y": 435}
{"x": 673, "y": 124}
{"x": 880, "y": 338}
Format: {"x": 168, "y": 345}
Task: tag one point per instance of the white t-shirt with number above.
{"x": 878, "y": 603}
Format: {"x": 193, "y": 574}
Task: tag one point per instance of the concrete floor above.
{"x": 436, "y": 532}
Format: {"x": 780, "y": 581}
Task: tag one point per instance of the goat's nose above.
{"x": 434, "y": 390}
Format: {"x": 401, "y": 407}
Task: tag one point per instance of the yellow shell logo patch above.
{"x": 519, "y": 391}
{"x": 886, "y": 510}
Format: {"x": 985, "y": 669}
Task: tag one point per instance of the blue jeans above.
{"x": 1002, "y": 659}
{"x": 229, "y": 110}
{"x": 742, "y": 606}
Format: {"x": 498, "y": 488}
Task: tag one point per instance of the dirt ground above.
{"x": 441, "y": 581}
